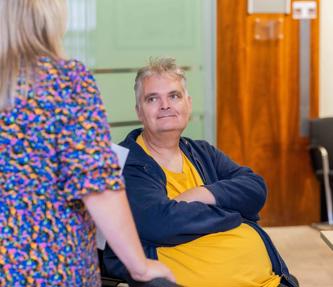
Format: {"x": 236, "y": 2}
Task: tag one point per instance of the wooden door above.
{"x": 258, "y": 99}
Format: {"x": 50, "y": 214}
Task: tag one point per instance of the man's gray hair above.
{"x": 158, "y": 66}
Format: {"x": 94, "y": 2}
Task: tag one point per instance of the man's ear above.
{"x": 190, "y": 103}
{"x": 138, "y": 114}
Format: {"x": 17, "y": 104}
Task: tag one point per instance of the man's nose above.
{"x": 165, "y": 104}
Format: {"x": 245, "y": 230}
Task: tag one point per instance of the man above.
{"x": 195, "y": 209}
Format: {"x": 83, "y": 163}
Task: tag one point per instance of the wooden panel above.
{"x": 258, "y": 107}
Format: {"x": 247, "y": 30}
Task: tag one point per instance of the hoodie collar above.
{"x": 137, "y": 154}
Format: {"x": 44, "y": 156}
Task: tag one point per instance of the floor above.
{"x": 308, "y": 257}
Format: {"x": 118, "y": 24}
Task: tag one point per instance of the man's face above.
{"x": 163, "y": 104}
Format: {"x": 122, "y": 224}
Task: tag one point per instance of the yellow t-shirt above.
{"x": 234, "y": 258}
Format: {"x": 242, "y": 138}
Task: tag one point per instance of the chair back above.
{"x": 321, "y": 133}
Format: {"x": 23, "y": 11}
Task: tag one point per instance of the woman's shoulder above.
{"x": 70, "y": 74}
{"x": 62, "y": 66}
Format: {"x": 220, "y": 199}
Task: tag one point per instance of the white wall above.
{"x": 326, "y": 59}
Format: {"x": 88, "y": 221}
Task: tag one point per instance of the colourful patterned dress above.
{"x": 54, "y": 149}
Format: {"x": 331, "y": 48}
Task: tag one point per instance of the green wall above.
{"x": 125, "y": 34}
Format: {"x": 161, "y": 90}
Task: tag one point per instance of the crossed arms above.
{"x": 232, "y": 194}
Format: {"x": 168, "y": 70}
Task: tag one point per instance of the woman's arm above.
{"x": 111, "y": 213}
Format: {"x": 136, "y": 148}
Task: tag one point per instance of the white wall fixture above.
{"x": 304, "y": 10}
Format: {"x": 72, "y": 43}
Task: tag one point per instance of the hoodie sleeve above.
{"x": 164, "y": 222}
{"x": 237, "y": 187}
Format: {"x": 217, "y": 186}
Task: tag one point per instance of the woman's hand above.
{"x": 155, "y": 269}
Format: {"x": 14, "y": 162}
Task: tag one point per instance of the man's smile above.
{"x": 166, "y": 116}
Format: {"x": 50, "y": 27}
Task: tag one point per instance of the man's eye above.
{"x": 175, "y": 96}
{"x": 151, "y": 99}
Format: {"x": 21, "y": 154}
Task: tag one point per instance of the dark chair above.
{"x": 108, "y": 281}
{"x": 321, "y": 153}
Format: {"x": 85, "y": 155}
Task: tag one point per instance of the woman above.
{"x": 58, "y": 172}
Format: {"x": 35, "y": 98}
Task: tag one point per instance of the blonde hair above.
{"x": 158, "y": 66}
{"x": 28, "y": 29}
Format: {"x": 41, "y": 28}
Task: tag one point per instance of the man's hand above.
{"x": 200, "y": 194}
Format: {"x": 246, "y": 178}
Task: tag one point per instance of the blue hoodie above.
{"x": 240, "y": 194}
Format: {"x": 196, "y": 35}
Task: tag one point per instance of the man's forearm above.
{"x": 200, "y": 194}
{"x": 244, "y": 193}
